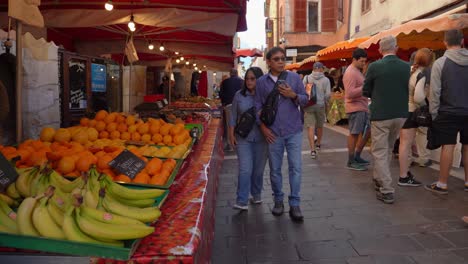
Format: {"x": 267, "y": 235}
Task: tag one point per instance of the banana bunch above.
{"x": 91, "y": 208}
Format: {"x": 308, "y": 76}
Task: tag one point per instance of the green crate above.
{"x": 69, "y": 247}
{"x": 192, "y": 125}
{"x": 168, "y": 184}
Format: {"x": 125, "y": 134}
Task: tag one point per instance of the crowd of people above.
{"x": 399, "y": 93}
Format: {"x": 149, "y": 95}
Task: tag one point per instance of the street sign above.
{"x": 291, "y": 52}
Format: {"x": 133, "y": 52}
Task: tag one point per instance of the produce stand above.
{"x": 183, "y": 233}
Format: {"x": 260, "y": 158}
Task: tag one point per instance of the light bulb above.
{"x": 176, "y": 52}
{"x": 199, "y": 71}
{"x": 109, "y": 6}
{"x": 151, "y": 46}
{"x": 196, "y": 68}
{"x": 187, "y": 63}
{"x": 161, "y": 48}
{"x": 182, "y": 58}
{"x": 194, "y": 64}
{"x": 131, "y": 25}
{"x": 204, "y": 66}
{"x": 214, "y": 73}
{"x": 178, "y": 61}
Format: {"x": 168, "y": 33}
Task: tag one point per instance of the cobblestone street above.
{"x": 343, "y": 221}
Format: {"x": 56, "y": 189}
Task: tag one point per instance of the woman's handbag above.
{"x": 245, "y": 123}
{"x": 270, "y": 107}
{"x": 422, "y": 116}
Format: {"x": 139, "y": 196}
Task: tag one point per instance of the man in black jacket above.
{"x": 228, "y": 89}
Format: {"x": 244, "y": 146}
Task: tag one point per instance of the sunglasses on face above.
{"x": 276, "y": 59}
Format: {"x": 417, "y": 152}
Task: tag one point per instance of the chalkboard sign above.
{"x": 77, "y": 83}
{"x": 8, "y": 173}
{"x": 127, "y": 163}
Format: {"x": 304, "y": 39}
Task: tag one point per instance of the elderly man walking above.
{"x": 386, "y": 83}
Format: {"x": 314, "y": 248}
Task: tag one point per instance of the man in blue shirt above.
{"x": 286, "y": 130}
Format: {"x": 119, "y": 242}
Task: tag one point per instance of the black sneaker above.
{"x": 295, "y": 213}
{"x": 376, "y": 185}
{"x": 361, "y": 161}
{"x": 435, "y": 189}
{"x": 355, "y": 166}
{"x": 409, "y": 181}
{"x": 387, "y": 198}
{"x": 278, "y": 209}
{"x": 317, "y": 147}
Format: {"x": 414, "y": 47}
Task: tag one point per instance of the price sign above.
{"x": 165, "y": 102}
{"x": 127, "y": 163}
{"x": 160, "y": 104}
{"x": 8, "y": 173}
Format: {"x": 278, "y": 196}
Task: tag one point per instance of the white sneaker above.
{"x": 256, "y": 201}
{"x": 241, "y": 207}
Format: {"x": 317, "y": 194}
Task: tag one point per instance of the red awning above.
{"x": 248, "y": 53}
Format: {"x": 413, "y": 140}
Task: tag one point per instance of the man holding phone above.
{"x": 286, "y": 130}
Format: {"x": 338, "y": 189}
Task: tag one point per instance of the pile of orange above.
{"x": 156, "y": 172}
{"x": 118, "y": 126}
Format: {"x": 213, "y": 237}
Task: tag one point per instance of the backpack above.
{"x": 270, "y": 107}
{"x": 246, "y": 122}
{"x": 312, "y": 88}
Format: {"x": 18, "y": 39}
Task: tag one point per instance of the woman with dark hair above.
{"x": 251, "y": 150}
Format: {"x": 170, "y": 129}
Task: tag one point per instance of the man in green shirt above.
{"x": 386, "y": 84}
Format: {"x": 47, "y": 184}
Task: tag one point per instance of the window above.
{"x": 365, "y": 6}
{"x": 313, "y": 16}
{"x": 340, "y": 11}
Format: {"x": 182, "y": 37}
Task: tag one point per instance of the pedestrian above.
{"x": 286, "y": 130}
{"x": 252, "y": 150}
{"x": 314, "y": 117}
{"x": 449, "y": 107}
{"x": 356, "y": 107}
{"x": 417, "y": 98}
{"x": 228, "y": 89}
{"x": 386, "y": 83}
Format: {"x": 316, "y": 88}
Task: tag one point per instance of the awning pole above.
{"x": 19, "y": 81}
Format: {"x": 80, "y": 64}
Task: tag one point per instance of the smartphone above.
{"x": 281, "y": 83}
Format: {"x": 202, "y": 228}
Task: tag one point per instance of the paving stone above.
{"x": 437, "y": 214}
{"x": 431, "y": 241}
{"x": 270, "y": 248}
{"x": 381, "y": 259}
{"x": 385, "y": 245}
{"x": 463, "y": 253}
{"x": 458, "y": 238}
{"x": 332, "y": 249}
{"x": 438, "y": 258}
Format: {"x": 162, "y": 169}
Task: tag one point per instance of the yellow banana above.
{"x": 72, "y": 231}
{"x": 63, "y": 184}
{"x": 61, "y": 200}
{"x": 23, "y": 181}
{"x": 55, "y": 213}
{"x": 89, "y": 199}
{"x": 24, "y": 217}
{"x": 44, "y": 223}
{"x": 135, "y": 194}
{"x": 36, "y": 180}
{"x": 106, "y": 231}
{"x": 12, "y": 192}
{"x": 106, "y": 217}
{"x": 8, "y": 218}
{"x": 5, "y": 229}
{"x": 7, "y": 199}
{"x": 148, "y": 214}
{"x": 130, "y": 202}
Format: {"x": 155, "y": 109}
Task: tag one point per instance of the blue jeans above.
{"x": 293, "y": 145}
{"x": 252, "y": 159}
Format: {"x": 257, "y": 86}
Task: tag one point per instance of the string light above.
{"x": 131, "y": 24}
{"x": 194, "y": 64}
{"x": 182, "y": 58}
{"x": 187, "y": 63}
{"x": 178, "y": 61}
{"x": 176, "y": 52}
{"x": 161, "y": 48}
{"x": 196, "y": 68}
{"x": 109, "y": 6}
{"x": 150, "y": 46}
{"x": 199, "y": 71}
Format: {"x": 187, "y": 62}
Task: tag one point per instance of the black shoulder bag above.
{"x": 270, "y": 107}
{"x": 246, "y": 122}
{"x": 422, "y": 116}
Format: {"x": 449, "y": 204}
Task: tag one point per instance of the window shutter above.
{"x": 300, "y": 15}
{"x": 329, "y": 15}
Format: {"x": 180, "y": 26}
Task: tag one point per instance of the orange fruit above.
{"x": 62, "y": 135}
{"x": 101, "y": 115}
{"x": 115, "y": 135}
{"x": 121, "y": 127}
{"x": 103, "y": 162}
{"x": 125, "y": 136}
{"x": 93, "y": 134}
{"x": 167, "y": 139}
{"x": 132, "y": 128}
{"x": 111, "y": 127}
{"x": 122, "y": 178}
{"x": 66, "y": 165}
{"x": 165, "y": 174}
{"x": 165, "y": 129}
{"x": 146, "y": 138}
{"x": 104, "y": 134}
{"x": 99, "y": 154}
{"x": 92, "y": 123}
{"x": 130, "y": 120}
{"x": 157, "y": 138}
{"x": 176, "y": 130}
{"x": 154, "y": 128}
{"x": 120, "y": 119}
{"x": 143, "y": 129}
{"x": 178, "y": 139}
{"x": 136, "y": 136}
{"x": 110, "y": 118}
{"x": 154, "y": 166}
{"x": 83, "y": 163}
{"x": 157, "y": 180}
{"x": 47, "y": 134}
{"x": 141, "y": 177}
{"x": 100, "y": 126}
{"x": 109, "y": 173}
{"x": 84, "y": 121}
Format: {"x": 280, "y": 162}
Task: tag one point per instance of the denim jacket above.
{"x": 240, "y": 104}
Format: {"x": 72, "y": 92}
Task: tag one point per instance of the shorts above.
{"x": 445, "y": 129}
{"x": 410, "y": 123}
{"x": 314, "y": 116}
{"x": 358, "y": 122}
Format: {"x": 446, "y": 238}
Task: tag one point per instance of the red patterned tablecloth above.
{"x": 186, "y": 228}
